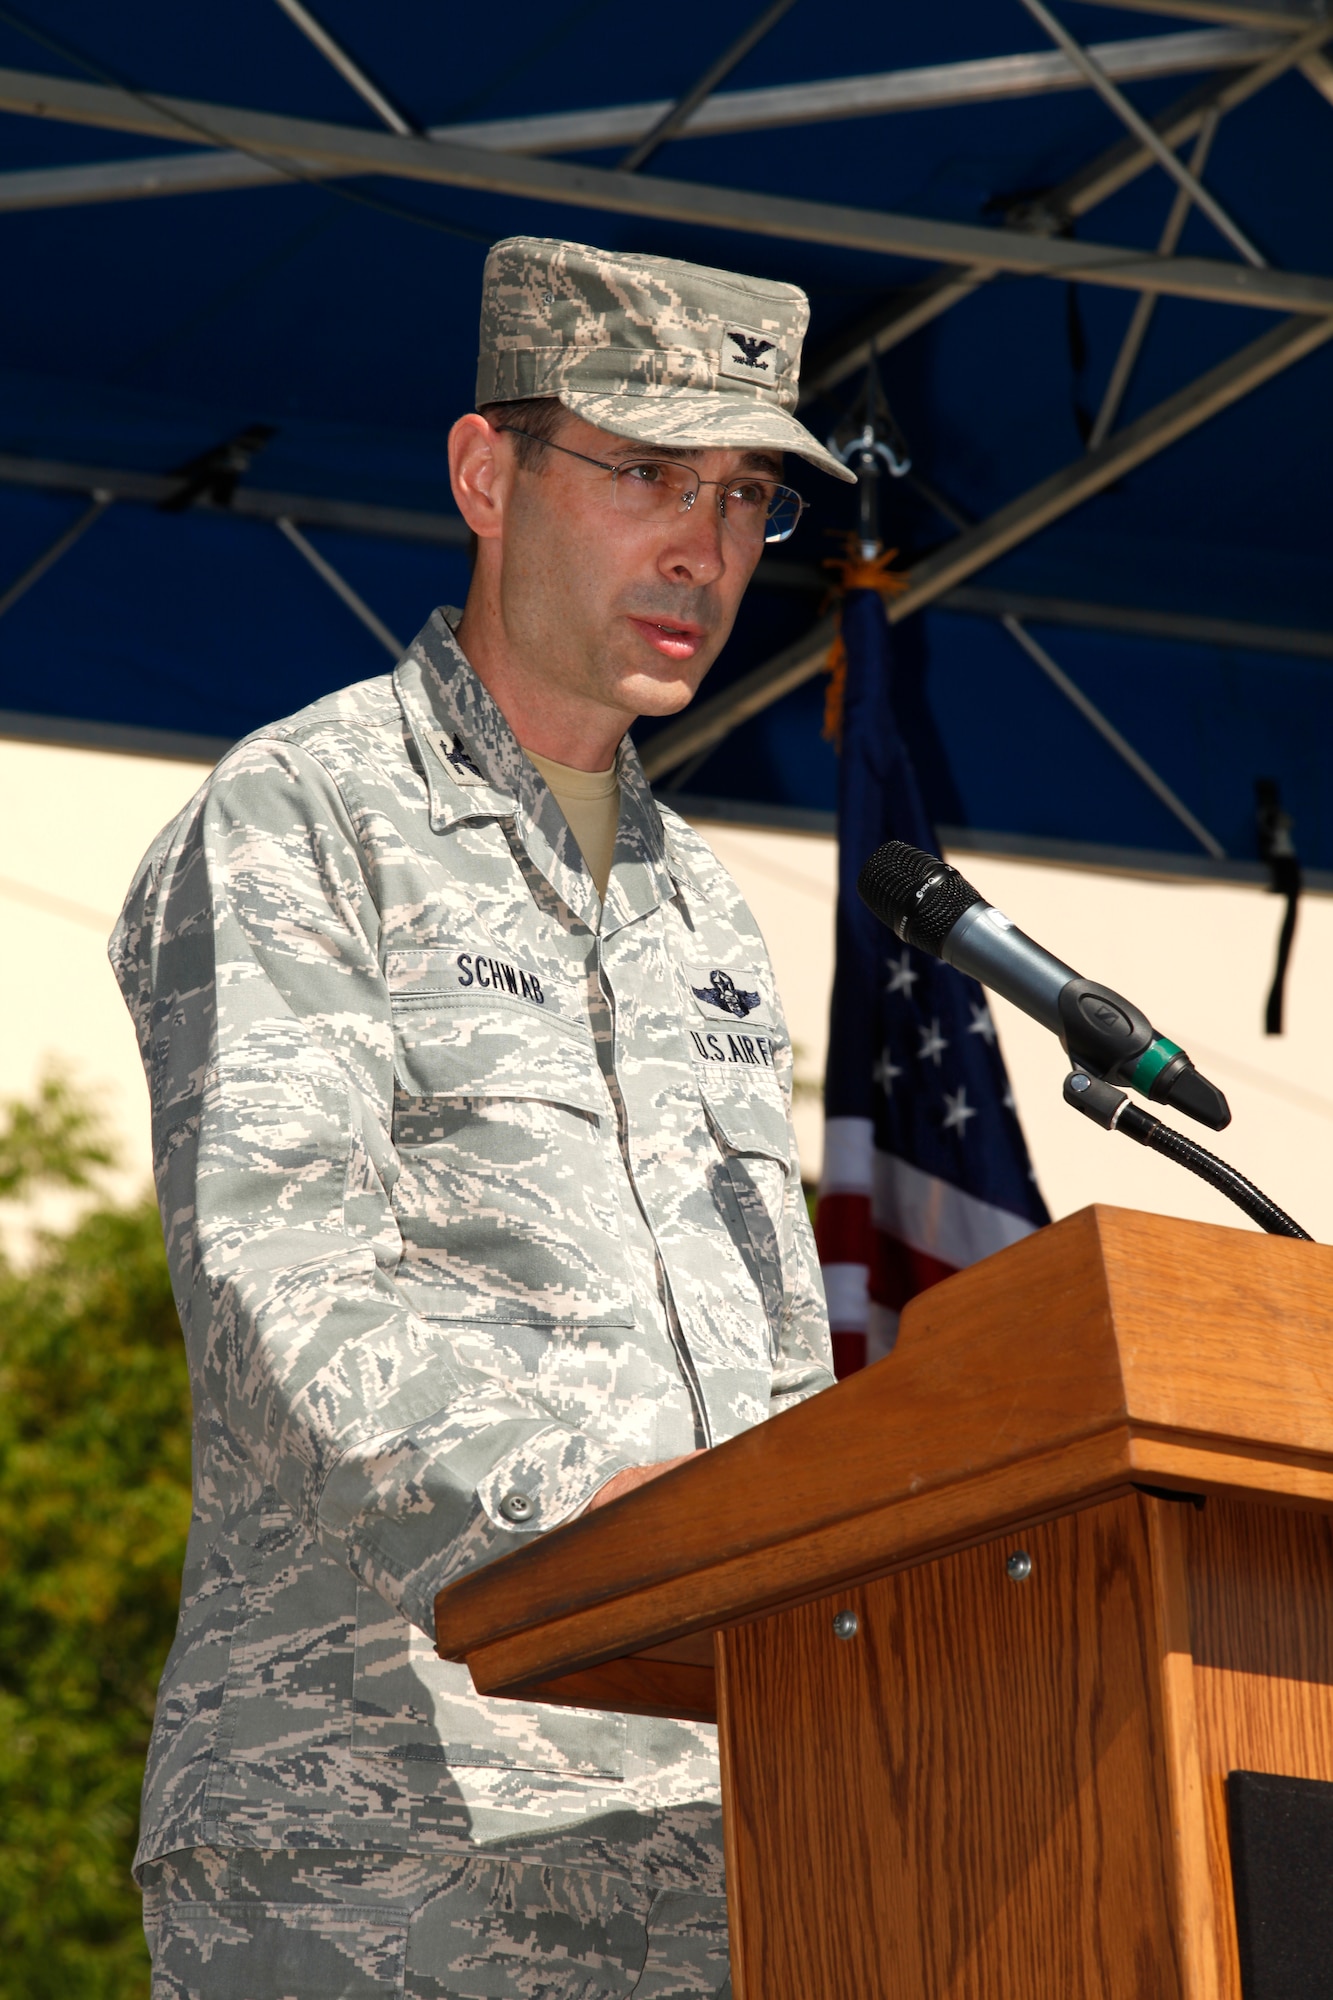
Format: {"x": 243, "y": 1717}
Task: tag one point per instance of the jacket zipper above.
{"x": 675, "y": 1331}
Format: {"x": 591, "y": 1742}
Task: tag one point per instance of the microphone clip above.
{"x": 1112, "y": 1110}
{"x": 1106, "y": 1035}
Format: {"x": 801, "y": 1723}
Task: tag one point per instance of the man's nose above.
{"x": 693, "y": 551}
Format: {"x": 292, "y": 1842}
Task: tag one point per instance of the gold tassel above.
{"x": 854, "y": 573}
{"x": 836, "y": 669}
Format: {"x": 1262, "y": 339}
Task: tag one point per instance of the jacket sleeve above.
{"x": 248, "y": 957}
{"x": 803, "y": 1364}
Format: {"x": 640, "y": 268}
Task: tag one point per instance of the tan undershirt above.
{"x": 590, "y": 801}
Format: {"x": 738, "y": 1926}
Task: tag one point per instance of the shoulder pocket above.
{"x": 750, "y": 1128}
{"x": 747, "y": 1117}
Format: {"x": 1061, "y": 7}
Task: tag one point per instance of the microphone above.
{"x": 928, "y": 904}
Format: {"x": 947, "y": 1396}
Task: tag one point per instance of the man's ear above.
{"x": 477, "y": 476}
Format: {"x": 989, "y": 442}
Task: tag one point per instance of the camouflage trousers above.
{"x": 602, "y": 1919}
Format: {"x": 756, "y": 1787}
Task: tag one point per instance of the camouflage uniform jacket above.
{"x": 475, "y": 1191}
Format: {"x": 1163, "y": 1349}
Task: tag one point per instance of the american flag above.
{"x": 925, "y": 1165}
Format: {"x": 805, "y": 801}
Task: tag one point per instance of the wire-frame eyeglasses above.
{"x": 755, "y": 508}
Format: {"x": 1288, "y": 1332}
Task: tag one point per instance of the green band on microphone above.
{"x": 1151, "y": 1064}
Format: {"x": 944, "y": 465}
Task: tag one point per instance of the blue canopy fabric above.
{"x": 138, "y": 334}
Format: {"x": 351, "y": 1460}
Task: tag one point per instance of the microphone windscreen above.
{"x": 916, "y": 894}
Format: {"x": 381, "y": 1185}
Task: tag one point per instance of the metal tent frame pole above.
{"x": 976, "y": 546}
{"x": 1107, "y": 730}
{"x": 347, "y": 67}
{"x": 1259, "y": 362}
{"x": 249, "y": 147}
{"x": 51, "y": 556}
{"x": 984, "y": 80}
{"x": 314, "y": 148}
{"x": 672, "y": 122}
{"x": 340, "y": 587}
{"x": 1141, "y": 317}
{"x": 1059, "y": 208}
{"x": 1139, "y": 126}
{"x": 404, "y": 524}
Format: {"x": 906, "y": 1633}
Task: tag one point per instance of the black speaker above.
{"x": 1282, "y": 1866}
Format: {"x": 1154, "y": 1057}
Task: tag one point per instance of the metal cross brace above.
{"x": 50, "y": 556}
{"x": 1144, "y": 132}
{"x": 1141, "y": 317}
{"x": 684, "y": 107}
{"x": 340, "y": 587}
{"x": 347, "y": 67}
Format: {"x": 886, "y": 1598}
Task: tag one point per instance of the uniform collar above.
{"x": 476, "y": 770}
{"x": 640, "y": 879}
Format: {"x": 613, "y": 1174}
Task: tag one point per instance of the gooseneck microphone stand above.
{"x": 926, "y": 902}
{"x": 1111, "y": 1109}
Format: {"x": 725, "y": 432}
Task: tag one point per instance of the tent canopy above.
{"x": 264, "y": 228}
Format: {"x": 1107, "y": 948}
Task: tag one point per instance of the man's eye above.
{"x": 647, "y": 474}
{"x": 748, "y": 494}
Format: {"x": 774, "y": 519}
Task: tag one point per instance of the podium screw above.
{"x": 846, "y": 1624}
{"x": 1019, "y": 1566}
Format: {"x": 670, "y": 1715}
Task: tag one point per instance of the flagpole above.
{"x": 925, "y": 1169}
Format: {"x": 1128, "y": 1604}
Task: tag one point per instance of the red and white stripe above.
{"x": 886, "y": 1231}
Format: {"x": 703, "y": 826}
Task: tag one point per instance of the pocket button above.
{"x": 517, "y": 1507}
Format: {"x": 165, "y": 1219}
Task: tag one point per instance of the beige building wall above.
{"x": 74, "y": 823}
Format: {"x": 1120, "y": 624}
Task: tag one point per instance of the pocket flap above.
{"x": 460, "y": 1045}
{"x": 747, "y": 1119}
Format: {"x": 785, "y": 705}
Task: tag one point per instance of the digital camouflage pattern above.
{"x": 639, "y": 1910}
{"x": 652, "y": 349}
{"x": 470, "y": 1201}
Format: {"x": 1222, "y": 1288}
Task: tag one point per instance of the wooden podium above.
{"x": 1080, "y": 1519}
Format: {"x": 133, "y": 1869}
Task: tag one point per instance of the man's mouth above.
{"x": 673, "y": 638}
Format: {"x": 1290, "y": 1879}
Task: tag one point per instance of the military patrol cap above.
{"x": 655, "y": 350}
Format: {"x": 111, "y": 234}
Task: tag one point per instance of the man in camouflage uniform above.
{"x": 479, "y": 1191}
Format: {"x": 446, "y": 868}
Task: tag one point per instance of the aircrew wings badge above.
{"x": 719, "y": 994}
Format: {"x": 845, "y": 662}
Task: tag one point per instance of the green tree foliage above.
{"x": 94, "y": 1506}
{"x": 57, "y": 1138}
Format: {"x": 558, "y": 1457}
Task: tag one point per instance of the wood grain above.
{"x": 1202, "y": 1962}
{"x": 876, "y": 1543}
{"x": 636, "y": 1685}
{"x": 1035, "y": 1381}
{"x": 694, "y": 1651}
{"x": 1208, "y": 1465}
{"x": 996, "y": 1791}
{"x": 1221, "y": 1333}
{"x": 967, "y": 1801}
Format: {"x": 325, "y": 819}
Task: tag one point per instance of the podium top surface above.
{"x": 1110, "y": 1349}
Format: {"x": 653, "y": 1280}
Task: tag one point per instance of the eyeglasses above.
{"x": 653, "y": 489}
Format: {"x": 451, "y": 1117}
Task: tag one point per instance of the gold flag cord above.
{"x": 854, "y": 572}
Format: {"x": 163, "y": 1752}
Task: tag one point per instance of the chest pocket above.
{"x": 748, "y": 1121}
{"x": 505, "y": 1199}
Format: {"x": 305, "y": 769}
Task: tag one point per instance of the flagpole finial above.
{"x": 869, "y": 442}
